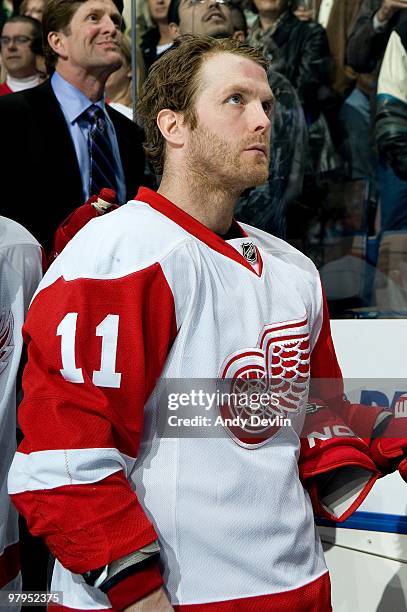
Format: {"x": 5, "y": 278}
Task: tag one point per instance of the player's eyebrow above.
{"x": 243, "y": 89}
{"x": 238, "y": 87}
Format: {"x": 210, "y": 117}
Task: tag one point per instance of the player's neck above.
{"x": 213, "y": 207}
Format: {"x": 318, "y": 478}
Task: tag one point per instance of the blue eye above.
{"x": 235, "y": 99}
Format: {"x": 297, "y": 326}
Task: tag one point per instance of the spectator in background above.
{"x": 32, "y": 8}
{"x": 118, "y": 85}
{"x": 371, "y": 32}
{"x": 20, "y": 40}
{"x": 157, "y": 38}
{"x": 240, "y": 30}
{"x": 391, "y": 120}
{"x": 337, "y": 17}
{"x": 6, "y": 11}
{"x": 57, "y": 130}
{"x": 367, "y": 43}
{"x": 300, "y": 51}
{"x": 366, "y": 46}
{"x": 352, "y": 131}
{"x": 207, "y": 17}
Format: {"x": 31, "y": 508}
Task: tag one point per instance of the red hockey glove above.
{"x": 335, "y": 464}
{"x": 385, "y": 432}
{"x": 389, "y": 446}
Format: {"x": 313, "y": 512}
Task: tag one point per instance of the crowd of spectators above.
{"x": 337, "y": 187}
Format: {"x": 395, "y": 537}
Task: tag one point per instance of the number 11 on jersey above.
{"x": 108, "y": 330}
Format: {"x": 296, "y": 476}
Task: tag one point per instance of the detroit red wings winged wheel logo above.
{"x": 6, "y": 337}
{"x": 268, "y": 383}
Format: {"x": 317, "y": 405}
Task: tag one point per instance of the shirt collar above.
{"x": 73, "y": 100}
{"x": 196, "y": 228}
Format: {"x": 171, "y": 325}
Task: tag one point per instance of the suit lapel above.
{"x": 59, "y": 150}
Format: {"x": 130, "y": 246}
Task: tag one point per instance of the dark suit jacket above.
{"x": 40, "y": 177}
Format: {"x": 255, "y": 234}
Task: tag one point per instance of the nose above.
{"x": 109, "y": 26}
{"x": 260, "y": 121}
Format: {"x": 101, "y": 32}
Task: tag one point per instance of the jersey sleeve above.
{"x": 95, "y": 350}
{"x": 326, "y": 374}
{"x": 335, "y": 463}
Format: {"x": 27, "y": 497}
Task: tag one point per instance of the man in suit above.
{"x": 63, "y": 142}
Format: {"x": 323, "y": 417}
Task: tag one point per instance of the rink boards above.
{"x": 367, "y": 555}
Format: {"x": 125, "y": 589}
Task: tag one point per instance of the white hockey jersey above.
{"x": 144, "y": 295}
{"x": 20, "y": 273}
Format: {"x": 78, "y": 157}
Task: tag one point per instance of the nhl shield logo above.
{"x": 249, "y": 252}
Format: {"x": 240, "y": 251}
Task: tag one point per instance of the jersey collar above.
{"x": 196, "y": 228}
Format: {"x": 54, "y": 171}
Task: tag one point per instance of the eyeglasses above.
{"x": 16, "y": 40}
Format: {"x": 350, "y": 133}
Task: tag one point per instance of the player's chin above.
{"x": 257, "y": 175}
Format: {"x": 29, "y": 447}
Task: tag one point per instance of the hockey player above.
{"x": 169, "y": 287}
{"x": 20, "y": 273}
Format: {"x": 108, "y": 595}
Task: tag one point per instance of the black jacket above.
{"x": 391, "y": 115}
{"x": 41, "y": 181}
{"x": 305, "y": 57}
{"x": 366, "y": 47}
{"x": 148, "y": 46}
{"x": 306, "y": 61}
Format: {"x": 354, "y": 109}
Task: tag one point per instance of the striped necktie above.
{"x": 102, "y": 163}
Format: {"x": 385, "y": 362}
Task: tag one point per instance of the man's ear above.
{"x": 172, "y": 127}
{"x": 173, "y": 29}
{"x": 239, "y": 35}
{"x": 56, "y": 41}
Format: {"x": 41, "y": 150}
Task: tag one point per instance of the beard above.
{"x": 224, "y": 164}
